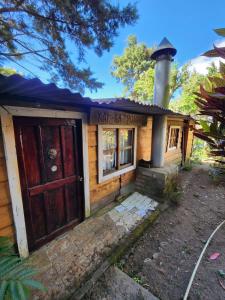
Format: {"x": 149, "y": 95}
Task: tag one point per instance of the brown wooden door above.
{"x": 50, "y": 164}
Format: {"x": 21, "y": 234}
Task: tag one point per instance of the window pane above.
{"x": 126, "y": 157}
{"x": 174, "y": 137}
{"x": 109, "y": 139}
{"x": 126, "y": 137}
{"x": 109, "y": 162}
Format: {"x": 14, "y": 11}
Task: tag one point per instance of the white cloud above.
{"x": 201, "y": 63}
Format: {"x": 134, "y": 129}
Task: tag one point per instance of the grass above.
{"x": 188, "y": 165}
{"x": 138, "y": 279}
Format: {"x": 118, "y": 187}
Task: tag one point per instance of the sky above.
{"x": 187, "y": 24}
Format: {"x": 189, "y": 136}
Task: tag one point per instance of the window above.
{"x": 116, "y": 151}
{"x": 109, "y": 138}
{"x": 126, "y": 138}
{"x": 174, "y": 133}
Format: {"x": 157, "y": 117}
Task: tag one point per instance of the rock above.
{"x": 155, "y": 255}
{"x": 196, "y": 195}
{"x": 163, "y": 244}
{"x": 147, "y": 260}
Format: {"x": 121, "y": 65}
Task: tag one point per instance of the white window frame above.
{"x": 7, "y": 113}
{"x": 168, "y": 143}
{"x": 101, "y": 177}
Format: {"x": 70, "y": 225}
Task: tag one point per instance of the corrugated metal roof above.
{"x": 34, "y": 91}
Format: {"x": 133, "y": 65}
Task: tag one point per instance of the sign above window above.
{"x": 111, "y": 117}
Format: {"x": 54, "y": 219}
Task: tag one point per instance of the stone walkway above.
{"x": 70, "y": 260}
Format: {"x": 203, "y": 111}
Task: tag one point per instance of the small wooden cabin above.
{"x": 63, "y": 156}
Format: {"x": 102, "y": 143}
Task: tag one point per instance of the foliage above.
{"x": 7, "y": 71}
{"x": 47, "y": 30}
{"x": 211, "y": 103}
{"x": 134, "y": 61}
{"x": 172, "y": 191}
{"x": 187, "y": 166}
{"x": 217, "y": 174}
{"x": 138, "y": 279}
{"x": 15, "y": 275}
{"x": 135, "y": 70}
{"x": 199, "y": 150}
{"x": 185, "y": 103}
{"x": 143, "y": 87}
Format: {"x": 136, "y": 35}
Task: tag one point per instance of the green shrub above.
{"x": 188, "y": 165}
{"x": 172, "y": 191}
{"x": 200, "y": 150}
{"x": 217, "y": 174}
{"x": 15, "y": 274}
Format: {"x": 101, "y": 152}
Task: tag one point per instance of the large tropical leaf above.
{"x": 220, "y": 31}
{"x": 15, "y": 274}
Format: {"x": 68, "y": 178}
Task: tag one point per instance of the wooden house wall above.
{"x": 6, "y": 219}
{"x": 174, "y": 156}
{"x": 189, "y": 143}
{"x": 144, "y": 141}
{"x": 101, "y": 193}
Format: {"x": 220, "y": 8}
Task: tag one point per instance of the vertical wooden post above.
{"x": 14, "y": 182}
{"x": 86, "y": 166}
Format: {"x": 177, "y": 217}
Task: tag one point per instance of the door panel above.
{"x": 30, "y": 151}
{"x": 38, "y": 215}
{"x": 55, "y": 209}
{"x": 52, "y": 152}
{"x": 50, "y": 164}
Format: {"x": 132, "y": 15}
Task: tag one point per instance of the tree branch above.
{"x": 21, "y": 53}
{"x": 13, "y": 60}
{"x": 37, "y": 52}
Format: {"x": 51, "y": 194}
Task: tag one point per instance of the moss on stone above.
{"x": 120, "y": 250}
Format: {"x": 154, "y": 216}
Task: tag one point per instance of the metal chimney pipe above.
{"x": 163, "y": 56}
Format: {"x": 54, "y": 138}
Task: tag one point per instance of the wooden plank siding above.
{"x": 190, "y": 142}
{"x": 144, "y": 142}
{"x": 6, "y": 218}
{"x": 107, "y": 190}
{"x": 174, "y": 156}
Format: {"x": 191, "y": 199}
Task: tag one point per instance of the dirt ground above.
{"x": 163, "y": 259}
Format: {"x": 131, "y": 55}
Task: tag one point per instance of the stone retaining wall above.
{"x": 152, "y": 181}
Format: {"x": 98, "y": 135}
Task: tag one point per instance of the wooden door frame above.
{"x": 7, "y": 114}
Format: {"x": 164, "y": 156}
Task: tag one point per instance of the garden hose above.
{"x": 199, "y": 260}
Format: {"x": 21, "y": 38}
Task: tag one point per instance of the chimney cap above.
{"x": 164, "y": 48}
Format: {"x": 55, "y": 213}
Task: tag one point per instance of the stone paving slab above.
{"x": 68, "y": 261}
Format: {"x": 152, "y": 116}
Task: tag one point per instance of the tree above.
{"x": 143, "y": 87}
{"x": 7, "y": 71}
{"x": 130, "y": 66}
{"x": 135, "y": 70}
{"x": 185, "y": 103}
{"x": 45, "y": 28}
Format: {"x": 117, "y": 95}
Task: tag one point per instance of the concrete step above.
{"x": 116, "y": 285}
